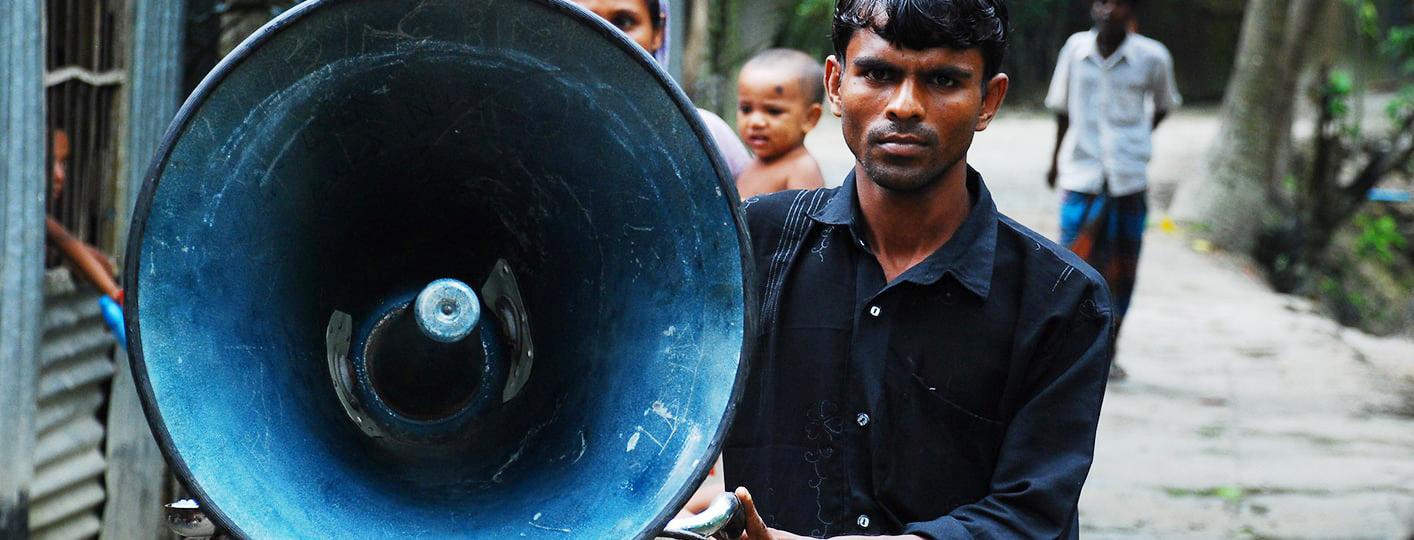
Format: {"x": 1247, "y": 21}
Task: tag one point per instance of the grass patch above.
{"x": 1211, "y": 431}
{"x": 1226, "y": 493}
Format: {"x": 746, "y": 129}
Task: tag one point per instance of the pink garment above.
{"x": 733, "y": 151}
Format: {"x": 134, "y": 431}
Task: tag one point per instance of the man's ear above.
{"x": 992, "y": 100}
{"x": 834, "y": 72}
{"x": 812, "y": 116}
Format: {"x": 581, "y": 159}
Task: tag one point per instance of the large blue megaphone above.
{"x": 438, "y": 269}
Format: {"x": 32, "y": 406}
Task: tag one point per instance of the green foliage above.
{"x": 1339, "y": 87}
{"x": 806, "y": 27}
{"x": 1398, "y": 47}
{"x": 1379, "y": 237}
{"x": 814, "y": 8}
{"x": 1399, "y": 43}
{"x": 1395, "y": 44}
{"x": 1232, "y": 494}
{"x": 1367, "y": 17}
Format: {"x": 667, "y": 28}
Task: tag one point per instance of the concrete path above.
{"x": 1247, "y": 414}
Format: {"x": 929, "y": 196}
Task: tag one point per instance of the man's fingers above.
{"x": 755, "y": 527}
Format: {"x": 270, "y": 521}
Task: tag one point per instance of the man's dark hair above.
{"x": 925, "y": 24}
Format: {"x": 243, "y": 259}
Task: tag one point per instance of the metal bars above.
{"x": 84, "y": 67}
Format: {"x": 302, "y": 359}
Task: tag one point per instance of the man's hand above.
{"x": 756, "y": 529}
{"x": 1062, "y": 126}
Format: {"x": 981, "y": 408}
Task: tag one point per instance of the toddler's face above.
{"x": 773, "y": 114}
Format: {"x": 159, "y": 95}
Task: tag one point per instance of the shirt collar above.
{"x": 1123, "y": 52}
{"x": 968, "y": 256}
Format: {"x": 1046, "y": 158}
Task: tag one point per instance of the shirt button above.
{"x": 863, "y": 419}
{"x": 875, "y": 311}
{"x": 863, "y": 521}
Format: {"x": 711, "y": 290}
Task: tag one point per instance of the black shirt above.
{"x": 958, "y": 400}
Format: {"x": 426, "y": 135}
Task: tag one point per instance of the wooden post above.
{"x": 677, "y": 28}
{"x": 22, "y": 180}
{"x": 136, "y": 476}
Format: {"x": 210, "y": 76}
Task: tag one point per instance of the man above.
{"x": 927, "y": 367}
{"x": 1105, "y": 81}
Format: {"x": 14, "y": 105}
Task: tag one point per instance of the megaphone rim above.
{"x": 187, "y": 112}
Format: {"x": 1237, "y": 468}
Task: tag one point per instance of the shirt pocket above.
{"x": 1125, "y": 103}
{"x": 936, "y": 455}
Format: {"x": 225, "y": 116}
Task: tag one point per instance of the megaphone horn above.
{"x": 438, "y": 268}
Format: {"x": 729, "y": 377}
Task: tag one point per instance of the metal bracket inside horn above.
{"x": 501, "y": 293}
{"x": 338, "y": 337}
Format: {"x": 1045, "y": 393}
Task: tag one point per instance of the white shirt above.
{"x": 1110, "y": 102}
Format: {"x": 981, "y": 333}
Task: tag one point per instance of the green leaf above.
{"x": 1379, "y": 237}
{"x": 1229, "y": 493}
{"x": 1369, "y": 19}
{"x": 1340, "y": 82}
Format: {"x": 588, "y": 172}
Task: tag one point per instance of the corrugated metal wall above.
{"x": 76, "y": 363}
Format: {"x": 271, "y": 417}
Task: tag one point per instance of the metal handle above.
{"x": 186, "y": 519}
{"x": 721, "y": 520}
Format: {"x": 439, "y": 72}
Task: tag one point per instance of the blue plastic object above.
{"x": 113, "y": 317}
{"x": 1390, "y": 195}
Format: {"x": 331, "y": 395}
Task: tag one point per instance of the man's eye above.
{"x": 775, "y": 112}
{"x": 745, "y": 109}
{"x": 945, "y": 82}
{"x": 625, "y": 22}
{"x": 877, "y": 75}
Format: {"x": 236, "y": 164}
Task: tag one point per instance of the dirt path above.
{"x": 1246, "y": 414}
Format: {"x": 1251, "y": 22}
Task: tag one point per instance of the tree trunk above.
{"x": 1248, "y": 159}
{"x": 696, "y": 46}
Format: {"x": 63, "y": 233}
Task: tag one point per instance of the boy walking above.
{"x": 1106, "y": 81}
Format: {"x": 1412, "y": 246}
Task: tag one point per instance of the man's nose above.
{"x": 906, "y": 103}
{"x": 756, "y": 119}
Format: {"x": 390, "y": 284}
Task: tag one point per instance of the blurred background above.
{"x": 1270, "y": 347}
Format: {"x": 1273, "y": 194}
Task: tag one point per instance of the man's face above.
{"x": 1112, "y": 14}
{"x": 909, "y": 116}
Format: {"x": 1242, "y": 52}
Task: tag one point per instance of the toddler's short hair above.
{"x": 809, "y": 70}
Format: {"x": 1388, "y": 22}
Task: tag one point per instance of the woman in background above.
{"x": 646, "y": 23}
